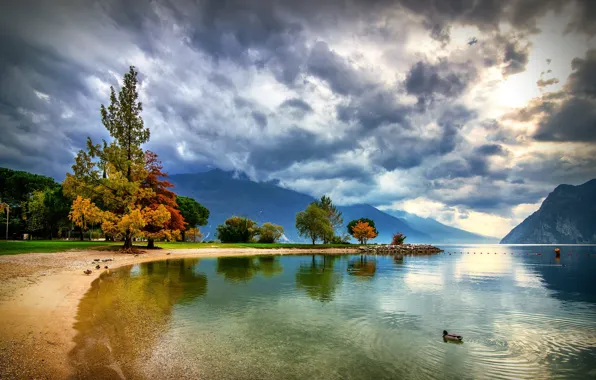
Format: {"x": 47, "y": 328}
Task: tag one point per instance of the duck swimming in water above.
{"x": 452, "y": 337}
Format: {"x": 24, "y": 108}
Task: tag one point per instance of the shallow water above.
{"x": 522, "y": 313}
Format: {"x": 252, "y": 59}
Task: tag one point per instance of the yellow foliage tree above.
{"x": 362, "y": 231}
{"x": 112, "y": 174}
{"x": 193, "y": 234}
{"x": 84, "y": 213}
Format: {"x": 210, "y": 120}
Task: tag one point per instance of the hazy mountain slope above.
{"x": 226, "y": 195}
{"x": 567, "y": 216}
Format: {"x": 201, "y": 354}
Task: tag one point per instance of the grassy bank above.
{"x": 50, "y": 246}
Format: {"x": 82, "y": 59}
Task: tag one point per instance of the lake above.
{"x": 522, "y": 314}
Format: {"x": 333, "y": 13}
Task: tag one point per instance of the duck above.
{"x": 97, "y": 267}
{"x": 106, "y": 267}
{"x": 87, "y": 272}
{"x": 452, "y": 337}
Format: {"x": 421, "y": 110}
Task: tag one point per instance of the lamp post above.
{"x": 7, "y": 214}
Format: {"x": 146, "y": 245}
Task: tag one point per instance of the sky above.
{"x": 469, "y": 112}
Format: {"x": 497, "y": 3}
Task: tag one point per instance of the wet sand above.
{"x": 40, "y": 293}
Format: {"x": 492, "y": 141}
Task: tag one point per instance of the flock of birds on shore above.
{"x": 89, "y": 271}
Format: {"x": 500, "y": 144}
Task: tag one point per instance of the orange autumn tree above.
{"x": 113, "y": 174}
{"x": 362, "y": 231}
{"x": 161, "y": 196}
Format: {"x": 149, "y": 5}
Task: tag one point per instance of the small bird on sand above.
{"x": 95, "y": 259}
{"x": 87, "y": 272}
{"x": 168, "y": 253}
{"x": 97, "y": 267}
{"x": 106, "y": 267}
{"x": 452, "y": 337}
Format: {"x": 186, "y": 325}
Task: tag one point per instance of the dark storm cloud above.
{"x": 516, "y": 58}
{"x": 466, "y": 166}
{"x": 295, "y": 146}
{"x": 222, "y": 82}
{"x": 403, "y": 148}
{"x": 336, "y": 71}
{"x": 204, "y": 60}
{"x": 372, "y": 109}
{"x": 553, "y": 168}
{"x": 491, "y": 150}
{"x": 446, "y": 80}
{"x": 583, "y": 20}
{"x": 259, "y": 118}
{"x": 488, "y": 14}
{"x": 582, "y": 81}
{"x": 298, "y": 104}
{"x": 452, "y": 120}
{"x": 568, "y": 115}
{"x": 574, "y": 120}
{"x": 296, "y": 108}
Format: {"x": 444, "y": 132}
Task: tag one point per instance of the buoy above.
{"x": 557, "y": 252}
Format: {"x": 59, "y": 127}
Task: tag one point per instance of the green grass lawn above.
{"x": 49, "y": 246}
{"x": 14, "y": 247}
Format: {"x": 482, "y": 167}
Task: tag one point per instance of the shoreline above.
{"x": 40, "y": 294}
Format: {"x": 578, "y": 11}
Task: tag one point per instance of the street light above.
{"x": 7, "y": 207}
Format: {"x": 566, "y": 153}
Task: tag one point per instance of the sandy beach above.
{"x": 40, "y": 293}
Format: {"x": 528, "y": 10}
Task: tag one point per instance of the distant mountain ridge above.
{"x": 567, "y": 216}
{"x": 226, "y": 194}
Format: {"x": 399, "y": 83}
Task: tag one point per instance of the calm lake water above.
{"x": 522, "y": 315}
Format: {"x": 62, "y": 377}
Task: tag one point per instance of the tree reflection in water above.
{"x": 121, "y": 317}
{"x": 318, "y": 278}
{"x": 242, "y": 269}
{"x": 364, "y": 267}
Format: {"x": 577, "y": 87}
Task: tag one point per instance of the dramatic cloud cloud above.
{"x": 383, "y": 102}
{"x": 570, "y": 114}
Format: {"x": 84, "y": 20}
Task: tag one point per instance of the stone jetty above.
{"x": 401, "y": 250}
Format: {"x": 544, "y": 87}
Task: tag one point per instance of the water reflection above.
{"x": 243, "y": 269}
{"x": 318, "y": 278}
{"x": 237, "y": 269}
{"x": 125, "y": 311}
{"x": 364, "y": 267}
{"x": 270, "y": 265}
{"x": 313, "y": 317}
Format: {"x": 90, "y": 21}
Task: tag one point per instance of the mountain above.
{"x": 567, "y": 216}
{"x": 441, "y": 233}
{"x": 226, "y": 194}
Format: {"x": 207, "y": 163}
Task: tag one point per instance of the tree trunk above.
{"x": 150, "y": 243}
{"x": 313, "y": 241}
{"x": 127, "y": 241}
{"x": 81, "y": 237}
{"x": 183, "y": 235}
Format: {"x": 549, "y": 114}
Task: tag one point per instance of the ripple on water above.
{"x": 299, "y": 323}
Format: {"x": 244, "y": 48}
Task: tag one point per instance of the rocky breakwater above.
{"x": 401, "y": 250}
